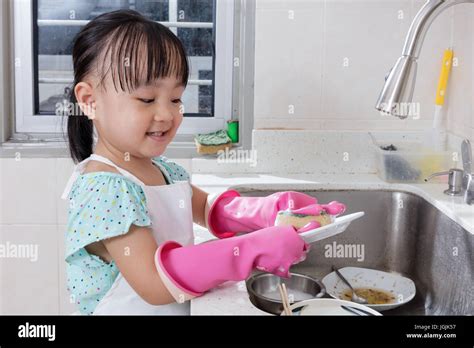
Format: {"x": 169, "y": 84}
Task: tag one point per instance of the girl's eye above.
{"x": 177, "y": 101}
{"x": 147, "y": 101}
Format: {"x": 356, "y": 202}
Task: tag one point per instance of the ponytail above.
{"x": 80, "y": 133}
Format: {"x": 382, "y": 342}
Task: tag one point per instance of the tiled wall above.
{"x": 461, "y": 102}
{"x": 320, "y": 64}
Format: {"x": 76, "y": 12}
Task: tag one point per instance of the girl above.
{"x": 129, "y": 238}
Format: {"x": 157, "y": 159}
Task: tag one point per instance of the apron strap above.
{"x": 164, "y": 171}
{"x": 77, "y": 170}
{"x": 69, "y": 184}
{"x": 121, "y": 171}
{"x": 80, "y": 167}
{"x": 130, "y": 175}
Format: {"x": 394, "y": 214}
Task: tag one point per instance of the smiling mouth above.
{"x": 157, "y": 134}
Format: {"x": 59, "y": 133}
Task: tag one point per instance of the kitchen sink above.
{"x": 401, "y": 232}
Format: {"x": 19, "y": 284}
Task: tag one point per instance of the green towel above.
{"x": 216, "y": 138}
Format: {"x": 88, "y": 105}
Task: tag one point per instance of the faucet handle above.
{"x": 455, "y": 181}
{"x": 469, "y": 193}
{"x": 466, "y": 154}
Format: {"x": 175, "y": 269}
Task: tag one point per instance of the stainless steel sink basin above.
{"x": 400, "y": 232}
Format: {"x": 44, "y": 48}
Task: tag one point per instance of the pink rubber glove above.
{"x": 189, "y": 271}
{"x": 229, "y": 213}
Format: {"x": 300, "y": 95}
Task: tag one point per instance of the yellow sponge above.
{"x": 287, "y": 218}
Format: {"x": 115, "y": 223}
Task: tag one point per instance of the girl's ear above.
{"x": 85, "y": 99}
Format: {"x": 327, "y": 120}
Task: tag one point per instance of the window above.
{"x": 43, "y": 63}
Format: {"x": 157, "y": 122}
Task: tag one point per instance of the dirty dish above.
{"x": 383, "y": 290}
{"x": 327, "y": 306}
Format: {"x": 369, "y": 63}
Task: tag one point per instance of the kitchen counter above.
{"x": 231, "y": 297}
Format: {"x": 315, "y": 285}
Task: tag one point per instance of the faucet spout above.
{"x": 422, "y": 22}
{"x": 397, "y": 93}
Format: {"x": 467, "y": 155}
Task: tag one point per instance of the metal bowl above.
{"x": 264, "y": 294}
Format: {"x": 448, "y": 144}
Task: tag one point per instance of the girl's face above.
{"x": 141, "y": 123}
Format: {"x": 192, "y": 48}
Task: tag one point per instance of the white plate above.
{"x": 402, "y": 288}
{"x": 338, "y": 226}
{"x": 327, "y": 306}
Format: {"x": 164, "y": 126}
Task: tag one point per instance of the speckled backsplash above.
{"x": 306, "y": 151}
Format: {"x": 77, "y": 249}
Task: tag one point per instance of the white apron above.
{"x": 170, "y": 211}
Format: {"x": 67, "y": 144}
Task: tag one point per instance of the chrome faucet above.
{"x": 397, "y": 93}
{"x": 461, "y": 181}
{"x": 468, "y": 177}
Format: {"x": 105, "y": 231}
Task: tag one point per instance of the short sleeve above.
{"x": 101, "y": 206}
{"x": 175, "y": 171}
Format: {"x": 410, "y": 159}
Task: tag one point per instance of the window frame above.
{"x": 29, "y": 123}
{"x": 48, "y": 145}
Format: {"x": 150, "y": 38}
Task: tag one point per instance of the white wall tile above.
{"x": 471, "y": 99}
{"x": 460, "y": 100}
{"x": 286, "y": 4}
{"x": 363, "y": 39}
{"x": 30, "y": 287}
{"x": 288, "y": 48}
{"x": 2, "y": 180}
{"x": 28, "y": 191}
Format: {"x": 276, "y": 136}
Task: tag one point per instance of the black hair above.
{"x": 135, "y": 50}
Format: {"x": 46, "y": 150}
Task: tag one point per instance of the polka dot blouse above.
{"x": 103, "y": 205}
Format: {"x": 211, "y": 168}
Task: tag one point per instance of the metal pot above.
{"x": 264, "y": 294}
